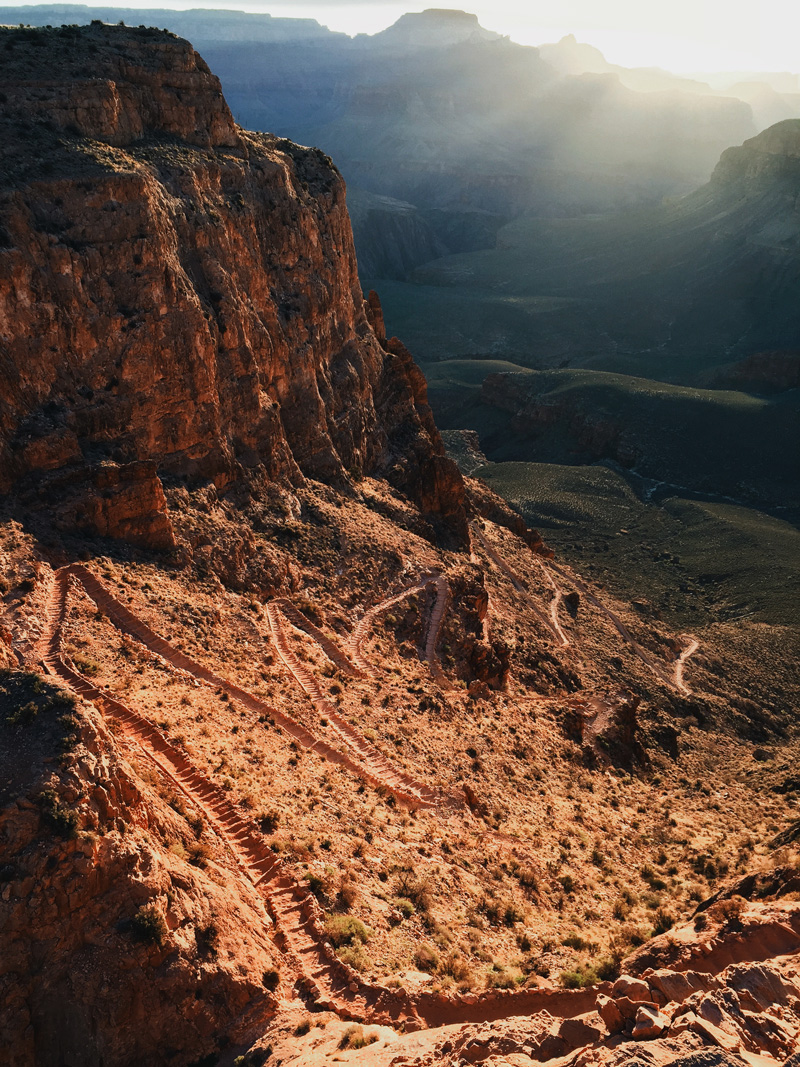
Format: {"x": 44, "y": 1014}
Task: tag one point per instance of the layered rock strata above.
{"x": 176, "y": 291}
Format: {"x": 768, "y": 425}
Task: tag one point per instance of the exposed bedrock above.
{"x": 178, "y": 291}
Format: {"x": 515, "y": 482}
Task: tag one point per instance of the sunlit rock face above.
{"x": 173, "y": 289}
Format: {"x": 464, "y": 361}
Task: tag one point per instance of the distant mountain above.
{"x": 772, "y": 97}
{"x": 464, "y": 124}
{"x": 570, "y": 56}
{"x": 438, "y": 112}
{"x": 697, "y": 283}
{"x": 199, "y": 25}
{"x": 434, "y": 28}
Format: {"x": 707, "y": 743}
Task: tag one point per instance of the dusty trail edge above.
{"x": 298, "y": 918}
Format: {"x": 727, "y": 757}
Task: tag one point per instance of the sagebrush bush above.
{"x": 55, "y": 816}
{"x": 346, "y": 930}
{"x": 148, "y": 925}
{"x": 354, "y": 1037}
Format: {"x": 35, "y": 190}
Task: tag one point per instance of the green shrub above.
{"x": 608, "y": 970}
{"x": 354, "y": 957}
{"x": 663, "y": 921}
{"x": 575, "y": 941}
{"x": 206, "y": 938}
{"x": 417, "y": 890}
{"x": 577, "y": 979}
{"x": 405, "y": 907}
{"x": 23, "y": 715}
{"x": 55, "y": 816}
{"x": 499, "y": 978}
{"x": 319, "y": 885}
{"x": 86, "y": 666}
{"x": 512, "y": 915}
{"x": 426, "y": 959}
{"x": 148, "y": 925}
{"x": 346, "y": 930}
{"x": 354, "y": 1037}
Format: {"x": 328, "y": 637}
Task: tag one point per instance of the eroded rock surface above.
{"x": 176, "y": 290}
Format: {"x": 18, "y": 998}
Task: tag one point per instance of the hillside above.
{"x": 722, "y": 443}
{"x": 696, "y": 284}
{"x": 469, "y": 127}
{"x": 310, "y": 748}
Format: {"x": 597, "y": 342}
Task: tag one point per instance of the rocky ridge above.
{"x": 315, "y": 723}
{"x": 144, "y": 220}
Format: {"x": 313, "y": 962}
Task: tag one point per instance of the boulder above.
{"x": 676, "y": 985}
{"x": 763, "y": 982}
{"x": 649, "y": 1023}
{"x": 628, "y": 1007}
{"x": 610, "y": 1014}
{"x": 580, "y": 1031}
{"x": 709, "y": 1057}
{"x": 713, "y": 1034}
{"x": 682, "y": 1023}
{"x": 635, "y": 989}
{"x": 551, "y": 1047}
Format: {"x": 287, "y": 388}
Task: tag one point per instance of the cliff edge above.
{"x": 179, "y": 298}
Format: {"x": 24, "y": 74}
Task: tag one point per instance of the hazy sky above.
{"x": 679, "y": 34}
{"x": 682, "y": 35}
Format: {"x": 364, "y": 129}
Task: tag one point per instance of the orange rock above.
{"x": 195, "y": 307}
{"x": 635, "y": 989}
{"x": 649, "y": 1022}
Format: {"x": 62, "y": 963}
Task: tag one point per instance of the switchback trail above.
{"x": 376, "y": 767}
{"x": 673, "y": 678}
{"x": 298, "y": 919}
{"x": 378, "y": 772}
{"x": 551, "y": 623}
{"x": 364, "y": 625}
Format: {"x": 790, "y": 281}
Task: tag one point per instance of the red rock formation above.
{"x": 87, "y": 846}
{"x": 176, "y": 290}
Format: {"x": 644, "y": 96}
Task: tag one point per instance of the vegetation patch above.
{"x": 148, "y": 925}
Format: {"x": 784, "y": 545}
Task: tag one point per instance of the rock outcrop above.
{"x": 123, "y": 939}
{"x": 177, "y": 291}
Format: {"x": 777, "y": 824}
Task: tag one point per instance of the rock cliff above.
{"x": 178, "y": 298}
{"x": 773, "y": 154}
{"x": 122, "y": 927}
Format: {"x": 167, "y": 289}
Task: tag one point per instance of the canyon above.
{"x": 312, "y": 748}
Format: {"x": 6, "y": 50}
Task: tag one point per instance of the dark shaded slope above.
{"x": 696, "y": 283}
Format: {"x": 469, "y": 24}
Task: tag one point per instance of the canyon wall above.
{"x": 179, "y": 298}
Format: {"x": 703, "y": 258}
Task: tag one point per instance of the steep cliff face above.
{"x": 173, "y": 290}
{"x": 772, "y": 155}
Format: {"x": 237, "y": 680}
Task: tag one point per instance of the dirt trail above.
{"x": 554, "y": 604}
{"x": 692, "y": 645}
{"x": 379, "y": 774}
{"x": 672, "y": 677}
{"x": 375, "y": 765}
{"x": 329, "y": 647}
{"x": 296, "y": 914}
{"x": 364, "y": 625}
{"x": 434, "y": 629}
{"x": 551, "y": 624}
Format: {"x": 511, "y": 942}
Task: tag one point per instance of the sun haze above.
{"x": 682, "y": 35}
